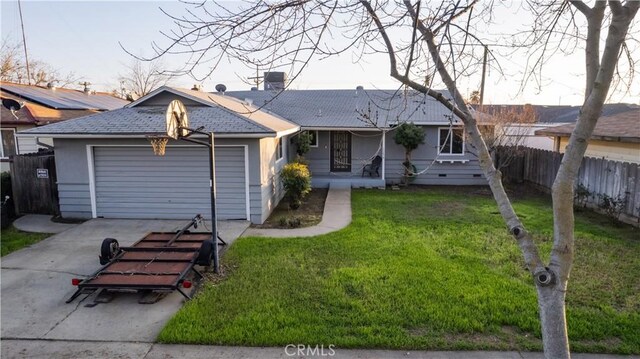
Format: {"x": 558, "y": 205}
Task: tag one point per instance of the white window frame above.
{"x": 464, "y": 142}
{"x": 15, "y": 141}
{"x": 316, "y": 137}
{"x": 280, "y": 143}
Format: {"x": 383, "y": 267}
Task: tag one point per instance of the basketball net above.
{"x": 158, "y": 143}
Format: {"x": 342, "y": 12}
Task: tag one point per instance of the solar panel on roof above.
{"x": 65, "y": 99}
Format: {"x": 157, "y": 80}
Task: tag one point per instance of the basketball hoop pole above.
{"x": 212, "y": 186}
{"x": 178, "y": 129}
{"x": 214, "y": 214}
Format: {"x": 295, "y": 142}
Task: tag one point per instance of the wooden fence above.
{"x": 600, "y": 176}
{"x": 33, "y": 179}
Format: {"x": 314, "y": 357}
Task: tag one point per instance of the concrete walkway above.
{"x": 15, "y": 348}
{"x": 40, "y": 223}
{"x": 336, "y": 215}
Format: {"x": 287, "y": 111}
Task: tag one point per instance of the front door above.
{"x": 340, "y": 151}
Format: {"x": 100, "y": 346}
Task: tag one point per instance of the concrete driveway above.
{"x": 36, "y": 281}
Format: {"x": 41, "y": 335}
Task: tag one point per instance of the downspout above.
{"x": 49, "y": 147}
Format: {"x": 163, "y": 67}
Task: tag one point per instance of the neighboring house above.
{"x": 42, "y": 106}
{"x": 616, "y": 137}
{"x": 106, "y": 166}
{"x": 351, "y": 127}
{"x": 546, "y": 117}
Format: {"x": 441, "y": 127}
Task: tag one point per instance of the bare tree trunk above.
{"x": 551, "y": 303}
{"x": 407, "y": 169}
{"x": 551, "y": 282}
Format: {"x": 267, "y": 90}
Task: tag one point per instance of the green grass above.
{"x": 12, "y": 239}
{"x": 421, "y": 269}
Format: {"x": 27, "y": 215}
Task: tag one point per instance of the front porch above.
{"x": 346, "y": 181}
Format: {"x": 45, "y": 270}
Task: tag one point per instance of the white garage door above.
{"x": 131, "y": 182}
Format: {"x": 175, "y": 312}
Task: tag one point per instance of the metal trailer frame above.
{"x": 185, "y": 255}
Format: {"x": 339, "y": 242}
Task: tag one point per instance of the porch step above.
{"x": 339, "y": 185}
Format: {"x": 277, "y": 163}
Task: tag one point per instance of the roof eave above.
{"x": 137, "y": 135}
{"x": 627, "y": 139}
{"x": 288, "y": 132}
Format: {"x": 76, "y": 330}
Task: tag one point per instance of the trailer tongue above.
{"x": 159, "y": 262}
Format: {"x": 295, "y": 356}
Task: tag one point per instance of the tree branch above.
{"x": 581, "y": 6}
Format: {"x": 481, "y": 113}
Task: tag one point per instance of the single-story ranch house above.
{"x": 106, "y": 166}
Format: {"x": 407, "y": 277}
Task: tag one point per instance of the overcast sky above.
{"x": 83, "y": 37}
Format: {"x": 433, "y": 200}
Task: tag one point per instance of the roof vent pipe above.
{"x": 358, "y": 89}
{"x": 254, "y": 89}
{"x": 51, "y": 85}
{"x": 196, "y": 87}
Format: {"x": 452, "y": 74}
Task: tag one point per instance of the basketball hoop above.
{"x": 159, "y": 143}
{"x": 177, "y": 121}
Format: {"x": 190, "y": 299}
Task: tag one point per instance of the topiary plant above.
{"x": 409, "y": 136}
{"x": 296, "y": 180}
{"x": 303, "y": 143}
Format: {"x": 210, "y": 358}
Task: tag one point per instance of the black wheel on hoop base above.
{"x": 109, "y": 249}
{"x": 206, "y": 253}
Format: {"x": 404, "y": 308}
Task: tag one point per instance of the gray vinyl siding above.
{"x": 26, "y": 145}
{"x": 366, "y": 144}
{"x": 75, "y": 198}
{"x": 426, "y": 157}
{"x": 131, "y": 182}
{"x": 73, "y": 172}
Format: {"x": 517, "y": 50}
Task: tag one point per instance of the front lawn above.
{"x": 418, "y": 269}
{"x": 12, "y": 239}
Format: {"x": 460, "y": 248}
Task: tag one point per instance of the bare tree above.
{"x": 506, "y": 126}
{"x": 422, "y": 40}
{"x": 143, "y": 77}
{"x": 13, "y": 69}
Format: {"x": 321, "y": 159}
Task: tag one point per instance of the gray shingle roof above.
{"x": 566, "y": 114}
{"x": 345, "y": 108}
{"x": 151, "y": 119}
{"x": 219, "y": 114}
{"x": 64, "y": 99}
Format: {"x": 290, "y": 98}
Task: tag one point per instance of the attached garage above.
{"x": 131, "y": 182}
{"x": 106, "y": 168}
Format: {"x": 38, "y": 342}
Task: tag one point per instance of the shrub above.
{"x": 580, "y": 195}
{"x": 296, "y": 180}
{"x": 303, "y": 143}
{"x": 5, "y": 184}
{"x": 409, "y": 136}
{"x": 289, "y": 222}
{"x": 613, "y": 206}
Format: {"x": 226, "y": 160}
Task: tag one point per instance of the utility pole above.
{"x": 24, "y": 42}
{"x": 484, "y": 72}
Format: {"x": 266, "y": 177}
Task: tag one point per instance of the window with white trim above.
{"x": 314, "y": 138}
{"x": 279, "y": 150}
{"x": 8, "y": 145}
{"x": 451, "y": 141}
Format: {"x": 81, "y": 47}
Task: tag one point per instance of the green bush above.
{"x": 290, "y": 222}
{"x": 303, "y": 143}
{"x": 5, "y": 185}
{"x": 409, "y": 136}
{"x": 296, "y": 180}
